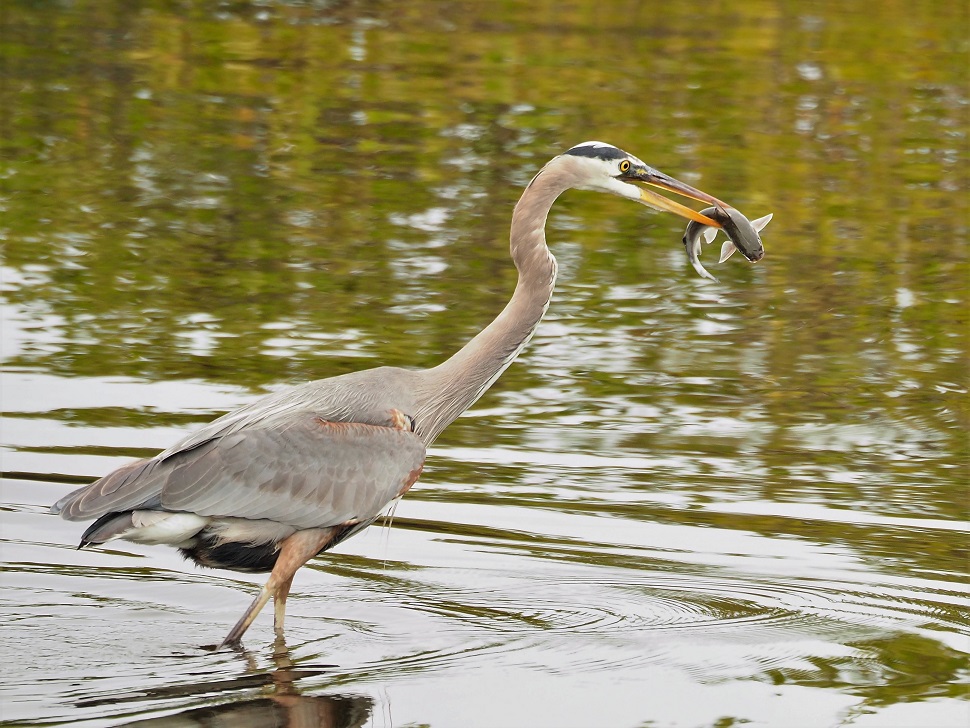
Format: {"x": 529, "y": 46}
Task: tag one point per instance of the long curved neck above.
{"x": 453, "y": 386}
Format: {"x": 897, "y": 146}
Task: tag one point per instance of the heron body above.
{"x": 271, "y": 485}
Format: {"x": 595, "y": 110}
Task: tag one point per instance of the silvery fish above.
{"x": 742, "y": 234}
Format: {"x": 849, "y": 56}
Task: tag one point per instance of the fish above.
{"x": 742, "y": 233}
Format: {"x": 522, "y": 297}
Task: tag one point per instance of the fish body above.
{"x": 742, "y": 233}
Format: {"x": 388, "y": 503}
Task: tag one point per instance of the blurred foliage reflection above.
{"x": 261, "y": 193}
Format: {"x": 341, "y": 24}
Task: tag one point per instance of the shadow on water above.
{"x": 280, "y": 702}
{"x": 285, "y": 709}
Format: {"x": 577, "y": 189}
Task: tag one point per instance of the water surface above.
{"x": 687, "y": 504}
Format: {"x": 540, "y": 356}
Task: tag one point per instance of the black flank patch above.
{"x": 234, "y": 556}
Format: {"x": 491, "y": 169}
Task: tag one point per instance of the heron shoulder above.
{"x": 366, "y": 396}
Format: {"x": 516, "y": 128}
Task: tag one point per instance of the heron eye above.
{"x": 625, "y": 166}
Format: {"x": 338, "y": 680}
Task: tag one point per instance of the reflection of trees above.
{"x": 250, "y": 169}
{"x": 278, "y": 193}
{"x": 903, "y": 668}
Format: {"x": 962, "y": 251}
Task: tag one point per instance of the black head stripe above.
{"x": 605, "y": 152}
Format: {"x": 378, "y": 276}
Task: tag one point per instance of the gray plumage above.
{"x": 310, "y": 473}
{"x": 272, "y": 484}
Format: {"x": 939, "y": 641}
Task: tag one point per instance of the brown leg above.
{"x": 294, "y": 552}
{"x": 279, "y": 605}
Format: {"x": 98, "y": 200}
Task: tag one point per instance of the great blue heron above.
{"x": 271, "y": 485}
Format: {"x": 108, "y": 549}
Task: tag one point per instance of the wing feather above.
{"x": 310, "y": 474}
{"x": 132, "y": 486}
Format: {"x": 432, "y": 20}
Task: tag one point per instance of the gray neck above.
{"x": 453, "y": 386}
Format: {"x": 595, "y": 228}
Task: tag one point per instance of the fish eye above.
{"x": 625, "y": 166}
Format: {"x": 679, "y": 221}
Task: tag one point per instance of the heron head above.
{"x": 605, "y": 168}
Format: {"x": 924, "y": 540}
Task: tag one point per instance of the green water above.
{"x": 686, "y": 504}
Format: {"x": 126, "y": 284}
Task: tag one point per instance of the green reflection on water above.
{"x": 269, "y": 169}
{"x": 260, "y": 194}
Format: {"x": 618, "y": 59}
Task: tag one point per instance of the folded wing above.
{"x": 310, "y": 474}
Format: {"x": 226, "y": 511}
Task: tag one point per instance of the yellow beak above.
{"x": 653, "y": 177}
